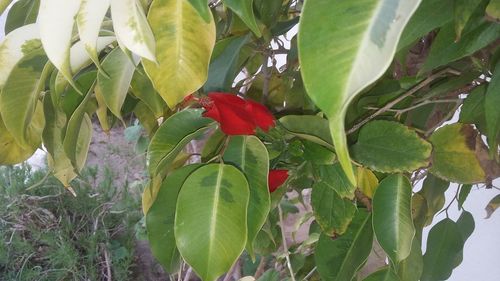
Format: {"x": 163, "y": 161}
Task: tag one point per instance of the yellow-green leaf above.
{"x": 184, "y": 42}
{"x": 10, "y": 151}
{"x": 493, "y": 10}
{"x": 3, "y": 5}
{"x": 344, "y": 46}
{"x": 132, "y": 28}
{"x": 367, "y": 181}
{"x": 463, "y": 12}
{"x": 454, "y": 156}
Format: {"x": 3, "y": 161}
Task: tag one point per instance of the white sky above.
{"x": 483, "y": 247}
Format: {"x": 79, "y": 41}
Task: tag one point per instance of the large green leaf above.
{"x": 391, "y": 147}
{"x": 309, "y": 127}
{"x": 173, "y": 135}
{"x": 250, "y": 155}
{"x": 22, "y": 13}
{"x": 244, "y": 10}
{"x": 433, "y": 190}
{"x": 115, "y": 84}
{"x": 132, "y": 28}
{"x": 430, "y": 15}
{"x": 211, "y": 219}
{"x": 224, "y": 65}
{"x": 341, "y": 36}
{"x": 445, "y": 50}
{"x": 385, "y": 274}
{"x": 15, "y": 46}
{"x": 454, "y": 156}
{"x": 334, "y": 177}
{"x": 339, "y": 259}
{"x": 332, "y": 212}
{"x": 185, "y": 42}
{"x": 466, "y": 226}
{"x": 444, "y": 246}
{"x": 143, "y": 89}
{"x": 89, "y": 20}
{"x": 392, "y": 221}
{"x": 410, "y": 269}
{"x": 492, "y": 114}
{"x": 463, "y": 12}
{"x": 19, "y": 97}
{"x": 160, "y": 219}
{"x": 56, "y": 19}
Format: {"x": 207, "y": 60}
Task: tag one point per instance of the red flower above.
{"x": 236, "y": 115}
{"x": 276, "y": 179}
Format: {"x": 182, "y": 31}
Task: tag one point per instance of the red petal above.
{"x": 263, "y": 118}
{"x": 276, "y": 179}
{"x": 231, "y": 114}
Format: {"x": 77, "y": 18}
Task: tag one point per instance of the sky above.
{"x": 482, "y": 250}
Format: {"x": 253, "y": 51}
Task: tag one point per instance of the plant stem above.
{"x": 285, "y": 246}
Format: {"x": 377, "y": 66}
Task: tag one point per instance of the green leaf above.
{"x": 10, "y": 151}
{"x": 309, "y": 127}
{"x": 444, "y": 49}
{"x": 367, "y": 181}
{"x": 102, "y": 110}
{"x": 463, "y": 11}
{"x": 211, "y": 219}
{"x": 202, "y": 7}
{"x": 244, "y": 10}
{"x": 454, "y": 153}
{"x": 89, "y": 21}
{"x": 433, "y": 190}
{"x": 410, "y": 269}
{"x": 160, "y": 219}
{"x": 250, "y": 155}
{"x": 270, "y": 275}
{"x": 466, "y": 226}
{"x": 173, "y": 135}
{"x": 492, "y": 206}
{"x": 493, "y": 10}
{"x": 132, "y": 28}
{"x": 341, "y": 258}
{"x": 185, "y": 42}
{"x": 430, "y": 15}
{"x": 224, "y": 65}
{"x": 492, "y": 114}
{"x": 143, "y": 89}
{"x": 332, "y": 213}
{"x": 391, "y": 147}
{"x": 3, "y": 5}
{"x": 56, "y": 19}
{"x": 385, "y": 274}
{"x": 334, "y": 177}
{"x": 473, "y": 108}
{"x": 392, "y": 221}
{"x": 341, "y": 36}
{"x": 15, "y": 46}
{"x": 462, "y": 196}
{"x": 115, "y": 84}
{"x": 444, "y": 245}
{"x": 19, "y": 98}
{"x": 22, "y": 13}
{"x": 317, "y": 154}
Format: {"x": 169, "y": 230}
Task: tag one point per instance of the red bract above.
{"x": 276, "y": 179}
{"x": 236, "y": 115}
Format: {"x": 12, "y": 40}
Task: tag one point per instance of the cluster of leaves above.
{"x": 375, "y": 80}
{"x": 46, "y": 234}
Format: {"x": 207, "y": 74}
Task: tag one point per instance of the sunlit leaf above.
{"x": 341, "y": 36}
{"x": 186, "y": 42}
{"x": 211, "y": 219}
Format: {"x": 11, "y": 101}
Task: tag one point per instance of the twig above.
{"x": 267, "y": 79}
{"x": 310, "y": 273}
{"x": 446, "y": 118}
{"x": 261, "y": 267}
{"x": 285, "y": 246}
{"x": 107, "y": 262}
{"x": 188, "y": 274}
{"x": 415, "y": 89}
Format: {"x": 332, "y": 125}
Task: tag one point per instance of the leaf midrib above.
{"x": 213, "y": 217}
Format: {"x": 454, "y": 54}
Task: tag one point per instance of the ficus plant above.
{"x": 372, "y": 107}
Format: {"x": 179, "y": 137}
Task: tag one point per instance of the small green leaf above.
{"x": 116, "y": 83}
{"x": 392, "y": 220}
{"x": 385, "y": 274}
{"x": 173, "y": 135}
{"x": 454, "y": 153}
{"x": 493, "y": 10}
{"x": 492, "y": 206}
{"x": 339, "y": 259}
{"x": 22, "y": 13}
{"x": 444, "y": 246}
{"x": 466, "y": 226}
{"x": 391, "y": 147}
{"x": 334, "y": 177}
{"x": 492, "y": 114}
{"x": 186, "y": 42}
{"x": 340, "y": 36}
{"x": 309, "y": 127}
{"x": 211, "y": 219}
{"x": 202, "y": 7}
{"x": 250, "y": 155}
{"x": 143, "y": 89}
{"x": 332, "y": 213}
{"x": 473, "y": 108}
{"x": 465, "y": 189}
{"x": 244, "y": 10}
{"x": 160, "y": 219}
{"x": 463, "y": 12}
{"x": 433, "y": 190}
{"x": 132, "y": 28}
